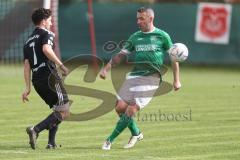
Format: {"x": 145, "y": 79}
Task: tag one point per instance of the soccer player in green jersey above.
{"x": 149, "y": 45}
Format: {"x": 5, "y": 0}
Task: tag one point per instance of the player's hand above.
{"x": 176, "y": 85}
{"x": 103, "y": 73}
{"x": 25, "y": 95}
{"x": 64, "y": 70}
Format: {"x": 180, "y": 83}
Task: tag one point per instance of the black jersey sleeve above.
{"x": 48, "y": 38}
{"x": 25, "y": 55}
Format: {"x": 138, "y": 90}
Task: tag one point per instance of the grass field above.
{"x": 209, "y": 100}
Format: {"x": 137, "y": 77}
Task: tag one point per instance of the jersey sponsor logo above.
{"x": 33, "y": 37}
{"x": 146, "y": 47}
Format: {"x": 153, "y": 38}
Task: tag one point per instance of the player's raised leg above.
{"x": 121, "y": 108}
{"x": 123, "y": 122}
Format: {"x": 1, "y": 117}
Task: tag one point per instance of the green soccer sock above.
{"x": 132, "y": 126}
{"x": 121, "y": 125}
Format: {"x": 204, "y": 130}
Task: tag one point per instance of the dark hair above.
{"x": 40, "y": 14}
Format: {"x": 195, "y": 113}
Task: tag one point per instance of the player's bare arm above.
{"x": 27, "y": 77}
{"x": 48, "y": 51}
{"x": 113, "y": 62}
{"x": 176, "y": 75}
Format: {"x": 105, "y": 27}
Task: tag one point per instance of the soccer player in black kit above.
{"x": 41, "y": 61}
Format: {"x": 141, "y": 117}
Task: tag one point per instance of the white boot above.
{"x": 106, "y": 145}
{"x": 133, "y": 140}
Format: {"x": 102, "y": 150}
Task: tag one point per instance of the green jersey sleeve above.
{"x": 167, "y": 43}
{"x": 129, "y": 45}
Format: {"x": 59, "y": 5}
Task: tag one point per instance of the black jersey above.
{"x": 41, "y": 66}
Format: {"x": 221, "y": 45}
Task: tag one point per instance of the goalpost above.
{"x": 92, "y": 34}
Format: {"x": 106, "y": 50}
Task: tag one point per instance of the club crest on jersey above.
{"x": 154, "y": 38}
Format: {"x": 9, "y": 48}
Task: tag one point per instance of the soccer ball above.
{"x": 178, "y": 52}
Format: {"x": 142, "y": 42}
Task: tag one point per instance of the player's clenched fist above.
{"x": 103, "y": 73}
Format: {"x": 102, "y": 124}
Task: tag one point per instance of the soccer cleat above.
{"x": 133, "y": 140}
{"x": 51, "y": 146}
{"x": 32, "y": 136}
{"x": 106, "y": 145}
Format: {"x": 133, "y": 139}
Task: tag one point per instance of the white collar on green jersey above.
{"x": 149, "y": 31}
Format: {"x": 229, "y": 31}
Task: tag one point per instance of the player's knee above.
{"x": 62, "y": 115}
{"x": 131, "y": 110}
{"x": 119, "y": 110}
{"x": 65, "y": 114}
{"x": 58, "y": 115}
{"x": 64, "y": 111}
{"x": 120, "y": 107}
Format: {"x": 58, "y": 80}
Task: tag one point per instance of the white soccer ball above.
{"x": 178, "y": 52}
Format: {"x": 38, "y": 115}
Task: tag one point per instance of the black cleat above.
{"x": 51, "y": 146}
{"x": 32, "y": 136}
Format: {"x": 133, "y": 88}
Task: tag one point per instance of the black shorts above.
{"x": 52, "y": 92}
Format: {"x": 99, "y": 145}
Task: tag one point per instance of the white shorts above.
{"x": 139, "y": 90}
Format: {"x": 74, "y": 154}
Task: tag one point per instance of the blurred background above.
{"x": 210, "y": 30}
{"x": 210, "y": 79}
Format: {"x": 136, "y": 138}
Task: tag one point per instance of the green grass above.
{"x": 212, "y": 133}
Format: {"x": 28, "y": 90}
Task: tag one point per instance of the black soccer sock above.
{"x": 51, "y": 121}
{"x": 52, "y": 134}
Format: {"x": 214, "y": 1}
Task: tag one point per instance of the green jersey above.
{"x": 149, "y": 49}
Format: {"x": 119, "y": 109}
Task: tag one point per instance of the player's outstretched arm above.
{"x": 27, "y": 77}
{"x": 104, "y": 71}
{"x": 48, "y": 51}
{"x": 176, "y": 75}
{"x": 115, "y": 60}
